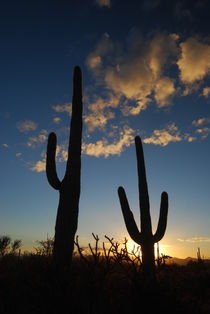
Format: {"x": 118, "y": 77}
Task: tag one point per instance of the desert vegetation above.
{"x": 103, "y": 278}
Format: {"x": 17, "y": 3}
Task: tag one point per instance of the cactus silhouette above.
{"x": 145, "y": 238}
{"x": 69, "y": 187}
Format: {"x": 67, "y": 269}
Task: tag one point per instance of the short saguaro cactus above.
{"x": 145, "y": 238}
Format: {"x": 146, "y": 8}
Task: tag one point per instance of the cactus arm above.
{"x": 162, "y": 218}
{"x": 50, "y": 162}
{"x": 146, "y": 227}
{"x": 128, "y": 217}
{"x": 74, "y": 149}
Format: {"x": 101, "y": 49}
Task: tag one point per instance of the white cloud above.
{"x": 164, "y": 136}
{"x": 67, "y": 107}
{"x": 26, "y": 126}
{"x": 206, "y": 92}
{"x": 194, "y": 62}
{"x": 194, "y": 239}
{"x": 104, "y": 3}
{"x": 39, "y": 166}
{"x": 34, "y": 140}
{"x": 103, "y": 148}
{"x": 18, "y": 155}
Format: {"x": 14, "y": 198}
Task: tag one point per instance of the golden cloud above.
{"x": 56, "y": 120}
{"x": 165, "y": 136}
{"x": 206, "y": 92}
{"x": 93, "y": 61}
{"x": 103, "y": 148}
{"x": 67, "y": 107}
{"x": 39, "y": 166}
{"x": 34, "y": 140}
{"x": 201, "y": 121}
{"x": 102, "y": 49}
{"x": 190, "y": 138}
{"x": 164, "y": 91}
{"x": 203, "y": 132}
{"x": 137, "y": 72}
{"x": 128, "y": 110}
{"x": 100, "y": 113}
{"x": 194, "y": 62}
{"x": 26, "y": 126}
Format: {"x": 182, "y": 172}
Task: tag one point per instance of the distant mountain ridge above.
{"x": 184, "y": 261}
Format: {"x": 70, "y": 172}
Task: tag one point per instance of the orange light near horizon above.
{"x": 132, "y": 246}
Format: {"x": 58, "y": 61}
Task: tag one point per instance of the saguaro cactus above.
{"x": 145, "y": 238}
{"x": 69, "y": 187}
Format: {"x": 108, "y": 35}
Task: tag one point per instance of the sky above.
{"x": 146, "y": 72}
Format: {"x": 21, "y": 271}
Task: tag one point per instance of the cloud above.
{"x": 201, "y": 121}
{"x": 18, "y": 155}
{"x": 99, "y": 112}
{"x": 94, "y": 61}
{"x": 56, "y": 120}
{"x": 195, "y": 239}
{"x": 67, "y": 107}
{"x": 189, "y": 138}
{"x": 165, "y": 136}
{"x": 103, "y": 148}
{"x": 164, "y": 91}
{"x": 104, "y": 3}
{"x": 206, "y": 92}
{"x": 203, "y": 132}
{"x": 128, "y": 110}
{"x": 26, "y": 126}
{"x": 34, "y": 140}
{"x": 194, "y": 62}
{"x": 137, "y": 70}
{"x": 39, "y": 166}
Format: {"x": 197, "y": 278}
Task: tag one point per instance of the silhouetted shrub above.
{"x": 109, "y": 282}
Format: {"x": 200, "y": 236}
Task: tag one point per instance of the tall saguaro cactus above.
{"x": 145, "y": 238}
{"x": 69, "y": 187}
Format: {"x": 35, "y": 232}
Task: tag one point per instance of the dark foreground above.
{"x": 30, "y": 284}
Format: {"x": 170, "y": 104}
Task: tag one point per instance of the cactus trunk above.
{"x": 145, "y": 238}
{"x": 148, "y": 257}
{"x": 69, "y": 187}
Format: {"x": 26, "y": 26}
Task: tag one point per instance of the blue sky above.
{"x": 146, "y": 67}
